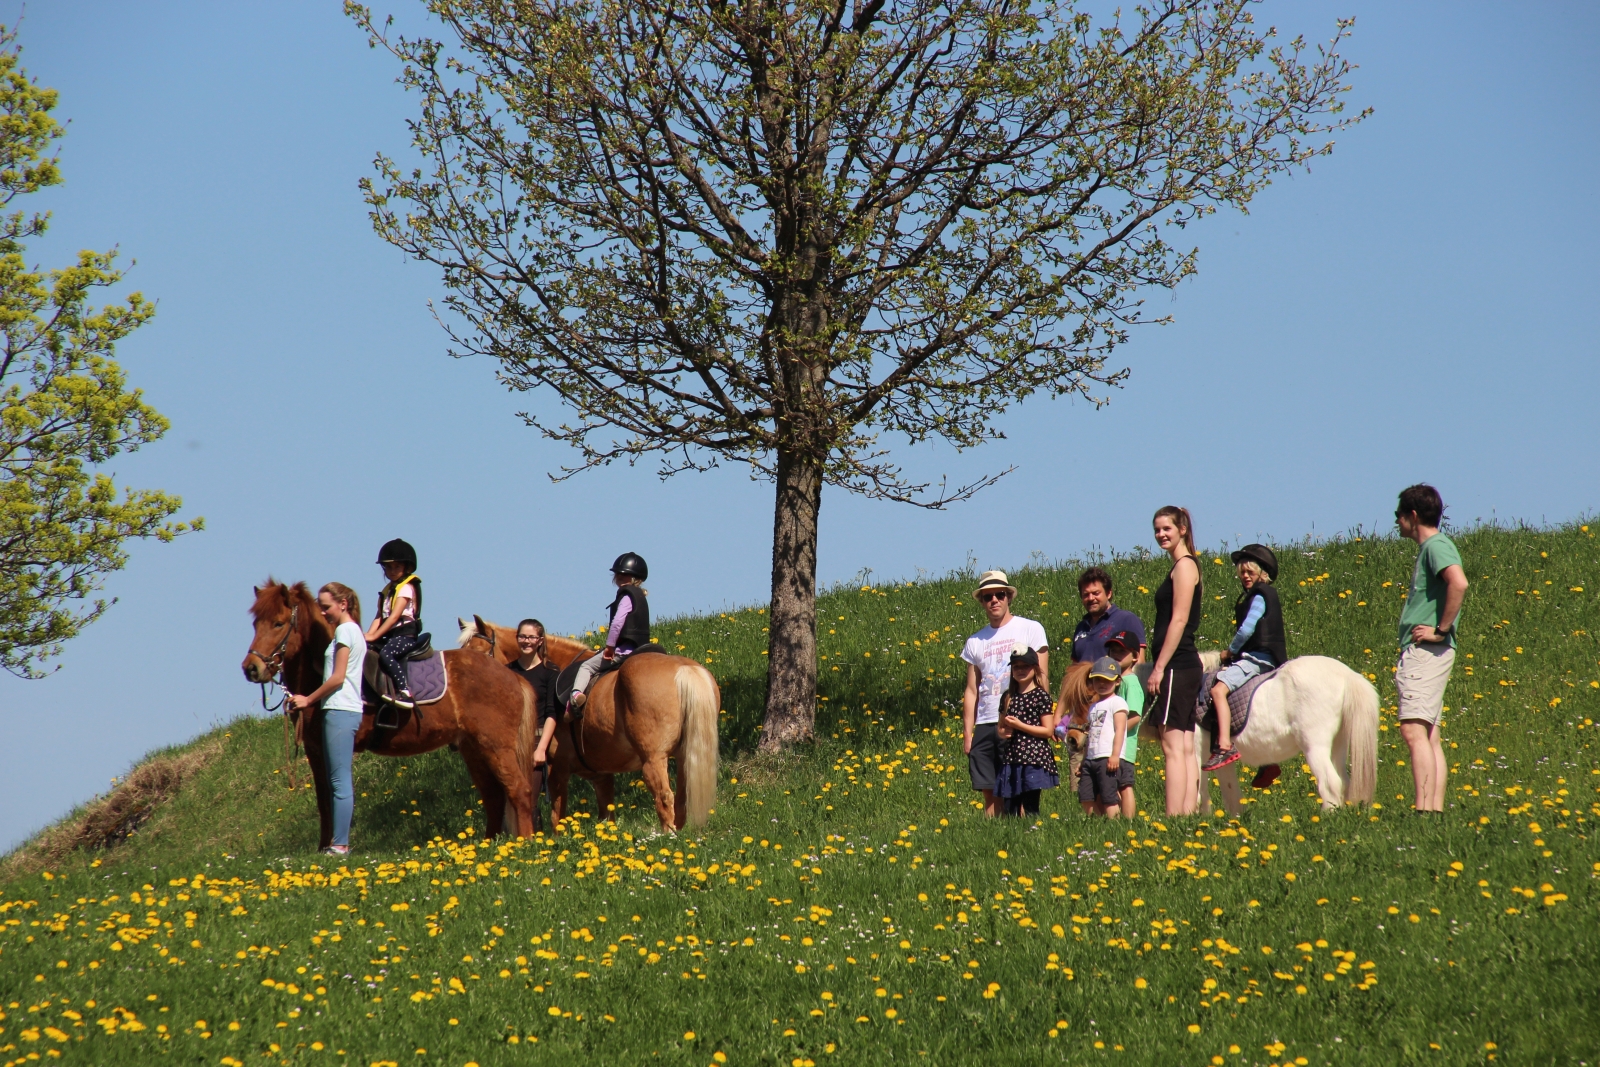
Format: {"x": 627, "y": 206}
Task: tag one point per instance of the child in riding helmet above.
{"x": 398, "y": 624}
{"x": 628, "y": 624}
{"x": 1258, "y": 644}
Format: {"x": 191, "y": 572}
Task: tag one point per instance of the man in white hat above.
{"x": 988, "y": 656}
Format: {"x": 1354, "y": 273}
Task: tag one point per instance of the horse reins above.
{"x": 274, "y": 663}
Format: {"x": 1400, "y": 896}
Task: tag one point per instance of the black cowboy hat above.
{"x": 1262, "y": 555}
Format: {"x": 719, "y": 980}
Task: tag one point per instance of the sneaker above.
{"x": 403, "y": 699}
{"x": 1265, "y": 776}
{"x": 1220, "y": 759}
{"x": 336, "y": 850}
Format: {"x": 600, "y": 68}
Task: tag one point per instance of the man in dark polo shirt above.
{"x": 1101, "y": 619}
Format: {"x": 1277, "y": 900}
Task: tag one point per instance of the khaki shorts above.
{"x": 1421, "y": 678}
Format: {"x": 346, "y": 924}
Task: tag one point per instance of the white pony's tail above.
{"x": 1361, "y": 725}
{"x": 697, "y": 770}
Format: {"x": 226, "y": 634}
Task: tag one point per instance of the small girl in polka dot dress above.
{"x": 1027, "y": 721}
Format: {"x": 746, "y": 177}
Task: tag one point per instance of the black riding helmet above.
{"x": 631, "y": 564}
{"x": 1262, "y": 555}
{"x": 398, "y": 551}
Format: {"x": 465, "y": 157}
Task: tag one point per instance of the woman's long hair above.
{"x": 1180, "y": 519}
{"x": 1015, "y": 688}
{"x": 352, "y": 599}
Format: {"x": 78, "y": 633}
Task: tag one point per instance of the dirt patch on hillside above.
{"x": 107, "y": 822}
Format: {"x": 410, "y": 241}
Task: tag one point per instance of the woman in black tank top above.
{"x": 1175, "y": 674}
{"x": 1185, "y": 654}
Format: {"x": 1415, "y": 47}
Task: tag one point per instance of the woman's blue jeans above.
{"x": 339, "y": 741}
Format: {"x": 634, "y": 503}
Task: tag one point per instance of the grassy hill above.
{"x": 847, "y": 903}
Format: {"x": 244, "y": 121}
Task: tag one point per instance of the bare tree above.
{"x": 773, "y": 232}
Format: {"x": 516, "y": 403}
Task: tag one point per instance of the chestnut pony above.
{"x": 653, "y": 707}
{"x": 487, "y": 713}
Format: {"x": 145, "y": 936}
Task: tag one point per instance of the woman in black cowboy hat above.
{"x": 1258, "y": 643}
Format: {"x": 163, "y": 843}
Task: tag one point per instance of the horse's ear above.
{"x": 484, "y": 629}
{"x": 255, "y": 590}
{"x": 461, "y": 624}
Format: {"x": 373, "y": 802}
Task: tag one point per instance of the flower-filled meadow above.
{"x": 848, "y": 903}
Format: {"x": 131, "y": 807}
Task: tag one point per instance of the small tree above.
{"x": 771, "y": 231}
{"x": 64, "y": 407}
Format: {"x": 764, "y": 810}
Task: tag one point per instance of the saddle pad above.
{"x": 569, "y": 673}
{"x": 429, "y": 679}
{"x": 1238, "y": 702}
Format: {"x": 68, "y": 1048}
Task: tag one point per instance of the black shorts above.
{"x": 1096, "y": 785}
{"x": 1124, "y": 774}
{"x": 983, "y": 762}
{"x": 1173, "y": 707}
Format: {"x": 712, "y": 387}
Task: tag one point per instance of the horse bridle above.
{"x": 274, "y": 663}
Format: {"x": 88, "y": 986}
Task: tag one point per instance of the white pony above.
{"x": 1314, "y": 706}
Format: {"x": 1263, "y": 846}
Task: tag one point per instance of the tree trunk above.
{"x": 792, "y": 631}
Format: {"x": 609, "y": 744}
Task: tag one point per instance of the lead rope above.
{"x": 291, "y": 752}
{"x": 291, "y": 735}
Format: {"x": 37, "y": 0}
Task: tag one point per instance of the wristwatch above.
{"x": 1445, "y": 631}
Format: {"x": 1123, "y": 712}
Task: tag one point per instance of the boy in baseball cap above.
{"x": 1107, "y": 730}
{"x": 1123, "y": 646}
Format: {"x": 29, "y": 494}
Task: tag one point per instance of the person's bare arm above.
{"x": 1120, "y": 734}
{"x": 969, "y": 708}
{"x": 1044, "y": 669}
{"x": 1045, "y": 729}
{"x": 545, "y": 733}
{"x": 1455, "y": 594}
{"x": 1182, "y": 604}
{"x": 383, "y": 626}
{"x": 341, "y": 663}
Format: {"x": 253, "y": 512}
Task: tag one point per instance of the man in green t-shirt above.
{"x": 1427, "y": 640}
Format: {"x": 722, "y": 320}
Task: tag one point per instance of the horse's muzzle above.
{"x": 255, "y": 668}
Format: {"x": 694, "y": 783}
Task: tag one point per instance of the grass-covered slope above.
{"x": 848, "y": 904}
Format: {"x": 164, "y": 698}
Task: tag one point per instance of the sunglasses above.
{"x": 984, "y": 598}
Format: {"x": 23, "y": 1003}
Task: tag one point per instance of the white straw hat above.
{"x": 991, "y": 580}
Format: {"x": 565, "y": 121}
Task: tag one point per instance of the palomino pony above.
{"x": 487, "y": 714}
{"x": 653, "y": 707}
{"x": 1313, "y": 705}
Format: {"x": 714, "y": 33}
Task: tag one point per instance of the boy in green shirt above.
{"x": 1123, "y": 646}
{"x": 1427, "y": 640}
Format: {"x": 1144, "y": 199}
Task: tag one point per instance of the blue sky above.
{"x": 1413, "y": 309}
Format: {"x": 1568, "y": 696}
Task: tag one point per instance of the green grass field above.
{"x": 848, "y": 904}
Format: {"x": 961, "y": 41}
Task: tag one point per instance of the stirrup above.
{"x": 393, "y": 721}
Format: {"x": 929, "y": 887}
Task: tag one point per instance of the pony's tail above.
{"x": 1361, "y": 723}
{"x": 697, "y": 769}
